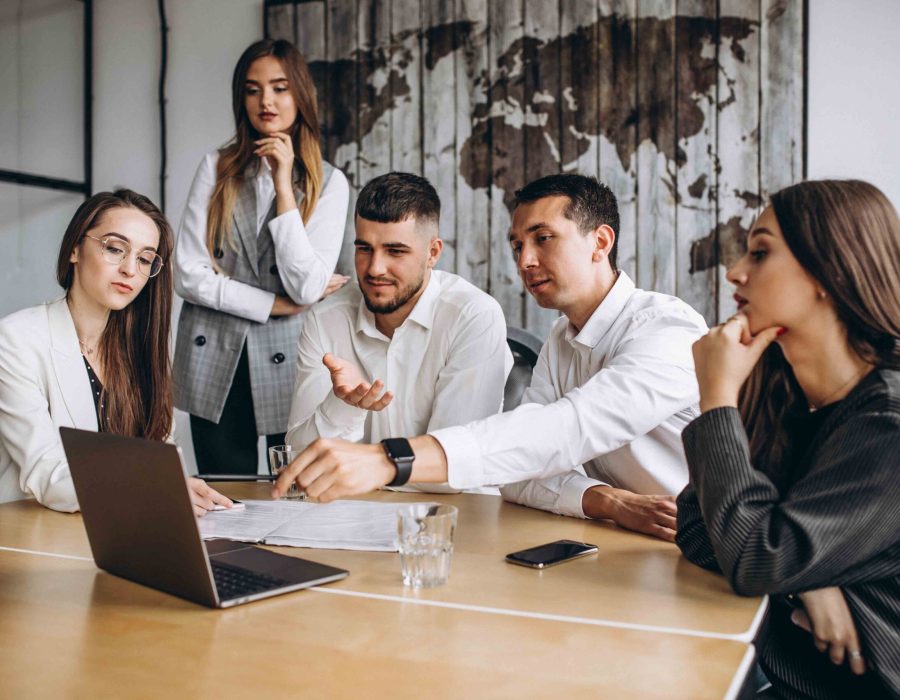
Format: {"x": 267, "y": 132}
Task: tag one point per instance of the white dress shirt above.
{"x": 613, "y": 398}
{"x": 446, "y": 364}
{"x": 306, "y": 253}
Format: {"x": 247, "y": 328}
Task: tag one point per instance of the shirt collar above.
{"x": 604, "y": 315}
{"x": 422, "y": 313}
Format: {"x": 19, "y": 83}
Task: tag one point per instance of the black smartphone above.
{"x": 552, "y": 553}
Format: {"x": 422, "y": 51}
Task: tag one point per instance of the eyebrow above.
{"x": 273, "y": 80}
{"x": 391, "y": 244}
{"x": 759, "y": 230}
{"x": 531, "y": 229}
{"x": 128, "y": 240}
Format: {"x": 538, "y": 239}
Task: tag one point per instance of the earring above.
{"x": 820, "y": 294}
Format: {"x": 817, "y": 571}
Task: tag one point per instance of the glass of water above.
{"x": 280, "y": 456}
{"x": 425, "y": 537}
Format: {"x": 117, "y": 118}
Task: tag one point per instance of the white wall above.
{"x": 854, "y": 92}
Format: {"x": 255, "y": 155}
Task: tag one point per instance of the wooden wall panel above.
{"x": 690, "y": 110}
{"x": 438, "y": 112}
{"x": 695, "y": 114}
{"x": 473, "y": 196}
{"x": 502, "y": 119}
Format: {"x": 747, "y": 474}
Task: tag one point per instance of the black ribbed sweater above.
{"x": 833, "y": 520}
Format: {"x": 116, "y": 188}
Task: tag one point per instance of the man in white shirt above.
{"x": 612, "y": 390}
{"x": 435, "y": 341}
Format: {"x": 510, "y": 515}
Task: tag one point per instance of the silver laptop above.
{"x": 137, "y": 511}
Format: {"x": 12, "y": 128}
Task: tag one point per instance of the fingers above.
{"x": 295, "y": 468}
{"x": 801, "y": 619}
{"x": 331, "y": 362}
{"x": 857, "y": 663}
{"x": 763, "y": 339}
{"x": 663, "y": 533}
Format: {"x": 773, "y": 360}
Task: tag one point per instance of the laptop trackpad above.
{"x": 290, "y": 569}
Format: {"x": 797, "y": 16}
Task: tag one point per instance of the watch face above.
{"x": 399, "y": 448}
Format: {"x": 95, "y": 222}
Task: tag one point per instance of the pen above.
{"x": 237, "y": 477}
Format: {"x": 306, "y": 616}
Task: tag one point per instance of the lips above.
{"x": 537, "y": 285}
{"x": 741, "y": 302}
{"x": 267, "y": 116}
{"x": 122, "y": 287}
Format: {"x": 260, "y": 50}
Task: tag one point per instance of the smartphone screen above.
{"x": 552, "y": 553}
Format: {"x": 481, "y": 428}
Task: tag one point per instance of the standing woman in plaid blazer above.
{"x": 259, "y": 241}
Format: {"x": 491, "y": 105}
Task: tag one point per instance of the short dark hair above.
{"x": 398, "y": 196}
{"x": 591, "y": 203}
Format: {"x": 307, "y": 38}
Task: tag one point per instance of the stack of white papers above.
{"x": 360, "y": 525}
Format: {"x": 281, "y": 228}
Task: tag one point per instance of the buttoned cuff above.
{"x": 572, "y": 493}
{"x": 464, "y": 468}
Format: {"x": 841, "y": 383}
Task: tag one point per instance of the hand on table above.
{"x": 724, "y": 358}
{"x": 330, "y": 469}
{"x": 828, "y": 619}
{"x": 350, "y": 386}
{"x": 651, "y": 515}
{"x": 204, "y": 498}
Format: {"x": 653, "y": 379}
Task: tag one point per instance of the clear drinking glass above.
{"x": 425, "y": 538}
{"x": 280, "y": 456}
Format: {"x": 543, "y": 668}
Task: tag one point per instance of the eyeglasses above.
{"x": 115, "y": 250}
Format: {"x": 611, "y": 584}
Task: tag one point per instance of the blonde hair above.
{"x": 237, "y": 156}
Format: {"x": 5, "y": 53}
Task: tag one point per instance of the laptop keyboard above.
{"x": 232, "y": 582}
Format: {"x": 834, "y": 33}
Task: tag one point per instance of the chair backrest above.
{"x": 525, "y": 349}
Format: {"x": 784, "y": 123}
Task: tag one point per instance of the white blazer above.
{"x": 43, "y": 385}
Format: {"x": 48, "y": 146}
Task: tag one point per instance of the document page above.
{"x": 361, "y": 525}
{"x": 250, "y": 524}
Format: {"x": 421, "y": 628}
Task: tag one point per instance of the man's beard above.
{"x": 404, "y": 294}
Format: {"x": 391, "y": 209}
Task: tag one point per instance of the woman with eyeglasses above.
{"x": 259, "y": 242}
{"x": 96, "y": 359}
{"x": 795, "y": 461}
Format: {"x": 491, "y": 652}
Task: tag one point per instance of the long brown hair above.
{"x": 237, "y": 156}
{"x": 846, "y": 234}
{"x": 134, "y": 346}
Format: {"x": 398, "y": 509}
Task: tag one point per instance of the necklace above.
{"x": 85, "y": 348}
{"x": 824, "y": 402}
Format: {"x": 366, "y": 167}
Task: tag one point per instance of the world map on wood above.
{"x": 690, "y": 111}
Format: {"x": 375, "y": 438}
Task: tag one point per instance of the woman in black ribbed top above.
{"x": 795, "y": 461}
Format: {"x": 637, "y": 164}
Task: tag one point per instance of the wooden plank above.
{"x": 374, "y": 126}
{"x": 579, "y": 106}
{"x": 656, "y": 146}
{"x": 781, "y": 93}
{"x": 737, "y": 137}
{"x": 507, "y": 101}
{"x": 617, "y": 92}
{"x": 439, "y": 115}
{"x": 341, "y": 129}
{"x": 280, "y": 22}
{"x": 473, "y": 148}
{"x": 406, "y": 88}
{"x": 695, "y": 96}
{"x": 543, "y": 95}
{"x": 310, "y": 41}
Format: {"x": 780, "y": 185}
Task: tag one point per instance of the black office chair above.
{"x": 525, "y": 349}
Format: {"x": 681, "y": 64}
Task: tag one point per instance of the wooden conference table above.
{"x": 634, "y": 621}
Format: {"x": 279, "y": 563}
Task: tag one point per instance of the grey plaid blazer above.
{"x": 209, "y": 342}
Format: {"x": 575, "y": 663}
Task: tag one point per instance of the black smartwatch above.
{"x": 400, "y": 452}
